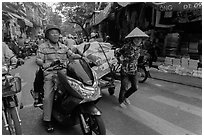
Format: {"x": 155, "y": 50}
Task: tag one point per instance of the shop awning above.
{"x": 124, "y": 4}
{"x": 103, "y": 14}
{"x": 26, "y": 21}
{"x": 6, "y": 16}
{"x": 15, "y": 15}
{"x": 177, "y": 6}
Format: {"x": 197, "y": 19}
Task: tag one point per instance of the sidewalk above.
{"x": 176, "y": 78}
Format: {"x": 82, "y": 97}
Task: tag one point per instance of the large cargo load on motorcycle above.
{"x": 96, "y": 54}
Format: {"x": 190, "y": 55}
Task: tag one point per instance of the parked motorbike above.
{"x": 28, "y": 49}
{"x": 34, "y": 48}
{"x": 76, "y": 95}
{"x": 22, "y": 53}
{"x": 10, "y": 87}
{"x": 31, "y": 48}
{"x": 143, "y": 70}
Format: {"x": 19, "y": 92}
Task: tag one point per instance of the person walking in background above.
{"x": 93, "y": 37}
{"x": 70, "y": 41}
{"x": 21, "y": 42}
{"x": 7, "y": 54}
{"x": 153, "y": 54}
{"x": 61, "y": 39}
{"x": 108, "y": 40}
{"x": 40, "y": 39}
{"x": 129, "y": 55}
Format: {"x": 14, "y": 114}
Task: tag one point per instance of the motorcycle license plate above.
{"x": 147, "y": 68}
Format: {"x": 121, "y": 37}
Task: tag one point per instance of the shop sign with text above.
{"x": 179, "y": 6}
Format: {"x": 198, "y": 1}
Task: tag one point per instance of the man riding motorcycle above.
{"x": 50, "y": 51}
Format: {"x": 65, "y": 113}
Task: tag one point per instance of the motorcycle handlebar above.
{"x": 53, "y": 67}
{"x": 57, "y": 65}
{"x": 57, "y": 62}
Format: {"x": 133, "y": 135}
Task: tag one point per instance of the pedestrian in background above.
{"x": 152, "y": 54}
{"x": 40, "y": 40}
{"x": 93, "y": 37}
{"x": 70, "y": 41}
{"x": 129, "y": 55}
{"x": 21, "y": 42}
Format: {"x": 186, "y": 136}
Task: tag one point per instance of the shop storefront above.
{"x": 181, "y": 24}
{"x": 122, "y": 17}
{"x": 10, "y": 27}
{"x": 15, "y": 25}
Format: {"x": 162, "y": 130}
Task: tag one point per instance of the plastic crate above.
{"x": 168, "y": 61}
{"x": 193, "y": 64}
{"x": 176, "y": 62}
{"x": 184, "y": 62}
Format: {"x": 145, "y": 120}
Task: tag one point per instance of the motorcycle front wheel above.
{"x": 13, "y": 121}
{"x": 92, "y": 124}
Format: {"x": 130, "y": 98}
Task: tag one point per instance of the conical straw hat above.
{"x": 137, "y": 33}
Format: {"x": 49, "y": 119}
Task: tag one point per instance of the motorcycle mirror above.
{"x": 86, "y": 47}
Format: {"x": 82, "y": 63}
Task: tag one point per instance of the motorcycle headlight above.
{"x": 74, "y": 85}
{"x": 85, "y": 92}
{"x": 91, "y": 95}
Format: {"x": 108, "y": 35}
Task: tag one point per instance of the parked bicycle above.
{"x": 11, "y": 85}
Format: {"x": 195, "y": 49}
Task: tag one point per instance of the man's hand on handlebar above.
{"x": 86, "y": 59}
{"x": 54, "y": 63}
{"x": 57, "y": 62}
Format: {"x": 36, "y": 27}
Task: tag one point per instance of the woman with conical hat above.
{"x": 129, "y": 55}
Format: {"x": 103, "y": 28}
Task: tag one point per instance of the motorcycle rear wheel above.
{"x": 92, "y": 124}
{"x": 13, "y": 121}
{"x": 142, "y": 74}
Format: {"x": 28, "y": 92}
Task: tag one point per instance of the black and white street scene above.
{"x": 101, "y": 68}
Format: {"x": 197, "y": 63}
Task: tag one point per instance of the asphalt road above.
{"x": 157, "y": 108}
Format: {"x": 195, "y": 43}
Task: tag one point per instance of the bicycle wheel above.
{"x": 13, "y": 121}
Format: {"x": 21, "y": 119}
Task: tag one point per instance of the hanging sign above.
{"x": 178, "y": 6}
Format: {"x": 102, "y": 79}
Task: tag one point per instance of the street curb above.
{"x": 177, "y": 82}
{"x": 178, "y": 79}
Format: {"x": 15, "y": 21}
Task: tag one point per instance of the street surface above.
{"x": 157, "y": 108}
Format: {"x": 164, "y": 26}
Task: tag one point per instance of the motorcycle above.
{"x": 22, "y": 53}
{"x": 143, "y": 69}
{"x": 28, "y": 49}
{"x": 31, "y": 48}
{"x": 34, "y": 48}
{"x": 76, "y": 95}
{"x": 10, "y": 87}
